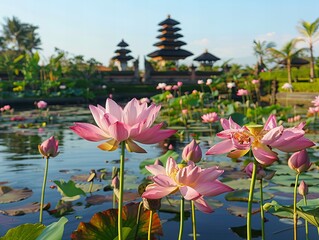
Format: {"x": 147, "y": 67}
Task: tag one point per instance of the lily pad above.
{"x": 243, "y": 183}
{"x": 242, "y": 196}
{"x": 241, "y": 211}
{"x": 86, "y": 187}
{"x": 24, "y": 231}
{"x": 8, "y": 194}
{"x": 21, "y": 210}
{"x": 68, "y": 189}
{"x": 241, "y": 231}
{"x": 54, "y": 230}
{"x": 288, "y": 180}
{"x": 103, "y": 225}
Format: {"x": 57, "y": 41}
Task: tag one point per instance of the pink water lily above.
{"x": 131, "y": 124}
{"x": 260, "y": 139}
{"x": 192, "y": 152}
{"x": 192, "y": 181}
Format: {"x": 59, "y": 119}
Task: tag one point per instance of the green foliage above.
{"x": 103, "y": 225}
{"x": 24, "y": 231}
{"x": 68, "y": 189}
{"x": 54, "y": 231}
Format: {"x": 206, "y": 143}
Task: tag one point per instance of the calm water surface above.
{"x": 22, "y": 166}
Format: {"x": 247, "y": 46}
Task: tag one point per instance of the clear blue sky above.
{"x": 226, "y": 28}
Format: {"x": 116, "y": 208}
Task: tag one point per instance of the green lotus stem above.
{"x": 138, "y": 218}
{"x": 262, "y": 215}
{"x": 250, "y": 200}
{"x": 181, "y": 221}
{"x": 295, "y": 206}
{"x": 43, "y": 188}
{"x": 194, "y": 221}
{"x": 120, "y": 202}
{"x": 150, "y": 226}
{"x": 306, "y": 222}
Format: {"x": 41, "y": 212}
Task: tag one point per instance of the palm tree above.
{"x": 260, "y": 51}
{"x": 286, "y": 54}
{"x": 20, "y": 36}
{"x": 310, "y": 35}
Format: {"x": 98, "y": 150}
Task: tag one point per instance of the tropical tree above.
{"x": 310, "y": 35}
{"x": 286, "y": 54}
{"x": 20, "y": 36}
{"x": 261, "y": 52}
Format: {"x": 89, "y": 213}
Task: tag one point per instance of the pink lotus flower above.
{"x": 179, "y": 84}
{"x": 193, "y": 183}
{"x": 192, "y": 152}
{"x": 200, "y": 82}
{"x": 299, "y": 161}
{"x": 316, "y": 101}
{"x": 161, "y": 86}
{"x": 6, "y": 107}
{"x": 209, "y": 81}
{"x": 255, "y": 81}
{"x": 114, "y": 124}
{"x": 210, "y": 117}
{"x": 260, "y": 139}
{"x": 49, "y": 148}
{"x": 287, "y": 86}
{"x": 42, "y": 104}
{"x": 242, "y": 92}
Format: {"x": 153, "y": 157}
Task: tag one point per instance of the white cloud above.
{"x": 204, "y": 42}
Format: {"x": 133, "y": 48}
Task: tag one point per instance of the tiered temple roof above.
{"x": 169, "y": 45}
{"x": 122, "y": 55}
{"x": 207, "y": 59}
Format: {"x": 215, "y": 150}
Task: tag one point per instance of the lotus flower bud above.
{"x": 260, "y": 171}
{"x": 303, "y": 188}
{"x": 179, "y": 84}
{"x": 49, "y": 148}
{"x": 192, "y": 152}
{"x": 115, "y": 183}
{"x": 299, "y": 161}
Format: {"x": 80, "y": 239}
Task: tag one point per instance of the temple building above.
{"x": 169, "y": 44}
{"x": 206, "y": 59}
{"x": 122, "y": 56}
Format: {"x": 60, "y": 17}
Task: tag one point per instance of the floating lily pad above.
{"x": 241, "y": 211}
{"x": 170, "y": 205}
{"x": 8, "y": 194}
{"x": 243, "y": 183}
{"x": 21, "y": 210}
{"x": 24, "y": 231}
{"x": 288, "y": 180}
{"x": 105, "y": 224}
{"x": 241, "y": 231}
{"x": 242, "y": 196}
{"x": 68, "y": 189}
{"x": 86, "y": 187}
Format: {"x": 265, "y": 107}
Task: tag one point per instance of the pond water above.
{"x": 22, "y": 167}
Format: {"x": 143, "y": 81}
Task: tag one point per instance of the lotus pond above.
{"x": 22, "y": 174}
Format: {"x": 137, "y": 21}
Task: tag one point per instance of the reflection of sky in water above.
{"x": 22, "y": 166}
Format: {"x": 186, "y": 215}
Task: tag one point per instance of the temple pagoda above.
{"x": 122, "y": 56}
{"x": 206, "y": 59}
{"x": 169, "y": 44}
